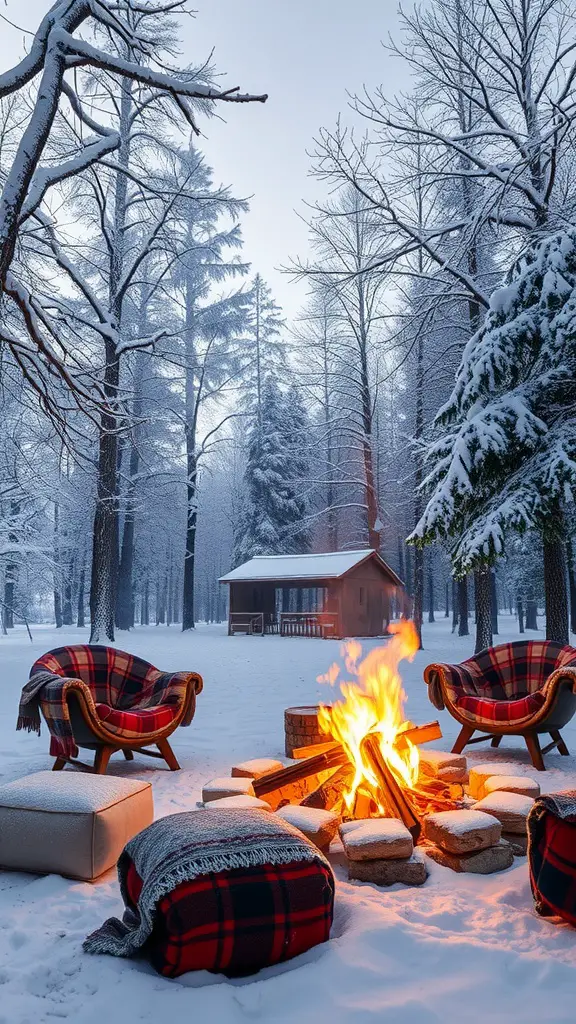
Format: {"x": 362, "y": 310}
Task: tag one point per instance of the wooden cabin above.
{"x": 332, "y": 594}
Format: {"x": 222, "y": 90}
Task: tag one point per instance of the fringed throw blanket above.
{"x": 108, "y": 678}
{"x": 205, "y": 845}
{"x": 552, "y": 855}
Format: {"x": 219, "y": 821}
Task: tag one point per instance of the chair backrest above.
{"x": 519, "y": 668}
{"x": 114, "y": 677}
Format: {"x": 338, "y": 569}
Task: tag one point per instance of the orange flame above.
{"x": 374, "y": 703}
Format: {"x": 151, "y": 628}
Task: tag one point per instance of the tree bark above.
{"x": 483, "y": 602}
{"x": 463, "y": 627}
{"x": 80, "y": 600}
{"x": 455, "y": 606}
{"x": 520, "y": 608}
{"x": 494, "y": 603}
{"x": 431, "y": 594}
{"x": 531, "y": 610}
{"x": 10, "y": 578}
{"x": 555, "y": 590}
{"x": 572, "y": 583}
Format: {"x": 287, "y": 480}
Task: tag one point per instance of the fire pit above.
{"x": 359, "y": 758}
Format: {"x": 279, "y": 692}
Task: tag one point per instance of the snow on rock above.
{"x": 458, "y": 823}
{"x": 239, "y": 803}
{"x": 317, "y": 825}
{"x": 512, "y": 784}
{"x": 376, "y": 839}
{"x": 256, "y": 768}
{"x": 511, "y": 809}
{"x": 479, "y": 773}
{"x": 218, "y": 789}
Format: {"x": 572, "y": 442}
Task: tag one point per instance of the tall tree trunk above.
{"x": 431, "y": 593}
{"x": 520, "y": 608}
{"x": 531, "y": 610}
{"x": 10, "y": 578}
{"x": 80, "y": 599}
{"x": 57, "y": 580}
{"x": 105, "y": 555}
{"x": 572, "y": 583}
{"x": 556, "y": 596}
{"x": 447, "y": 599}
{"x": 454, "y": 605}
{"x": 494, "y": 603}
{"x": 463, "y": 627}
{"x": 483, "y": 603}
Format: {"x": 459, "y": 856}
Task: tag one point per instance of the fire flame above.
{"x": 374, "y": 703}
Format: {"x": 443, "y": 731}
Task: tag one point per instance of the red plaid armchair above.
{"x": 518, "y": 689}
{"x": 107, "y": 700}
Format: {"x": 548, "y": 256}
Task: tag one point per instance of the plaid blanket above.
{"x": 552, "y": 855}
{"x": 108, "y": 678}
{"x": 221, "y": 890}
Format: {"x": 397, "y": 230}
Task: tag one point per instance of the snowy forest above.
{"x": 163, "y": 420}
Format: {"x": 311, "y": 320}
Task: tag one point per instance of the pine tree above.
{"x": 272, "y": 505}
{"x": 506, "y": 457}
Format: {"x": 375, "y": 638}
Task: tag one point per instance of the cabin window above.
{"x": 361, "y": 595}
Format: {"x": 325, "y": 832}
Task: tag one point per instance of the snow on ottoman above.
{"x": 229, "y": 891}
{"x": 70, "y": 823}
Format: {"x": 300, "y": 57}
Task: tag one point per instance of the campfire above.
{"x": 370, "y": 765}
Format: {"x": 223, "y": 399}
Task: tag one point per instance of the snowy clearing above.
{"x": 459, "y": 948}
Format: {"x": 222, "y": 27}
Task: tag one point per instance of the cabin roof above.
{"x": 321, "y": 566}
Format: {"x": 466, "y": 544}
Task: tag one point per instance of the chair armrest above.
{"x": 564, "y": 675}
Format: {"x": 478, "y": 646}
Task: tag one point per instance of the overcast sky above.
{"x": 306, "y": 54}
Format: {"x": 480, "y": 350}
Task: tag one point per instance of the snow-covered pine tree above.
{"x": 272, "y": 502}
{"x": 506, "y": 457}
{"x": 296, "y": 430}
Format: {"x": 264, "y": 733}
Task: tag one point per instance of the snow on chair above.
{"x": 524, "y": 689}
{"x": 107, "y": 700}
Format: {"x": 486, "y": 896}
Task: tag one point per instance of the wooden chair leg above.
{"x": 560, "y": 745}
{"x": 103, "y": 755}
{"x": 168, "y": 755}
{"x": 533, "y": 744}
{"x": 129, "y": 755}
{"x": 466, "y": 734}
{"x": 496, "y": 741}
{"x": 58, "y": 764}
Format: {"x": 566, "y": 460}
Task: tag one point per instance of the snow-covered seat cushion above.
{"x": 70, "y": 823}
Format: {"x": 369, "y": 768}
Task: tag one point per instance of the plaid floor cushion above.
{"x": 485, "y": 711}
{"x": 552, "y": 855}
{"x": 133, "y": 724}
{"x": 236, "y": 922}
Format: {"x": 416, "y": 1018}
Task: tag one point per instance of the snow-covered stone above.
{"x": 217, "y": 789}
{"x": 462, "y": 831}
{"x": 512, "y": 784}
{"x": 409, "y": 871}
{"x": 480, "y": 773}
{"x": 511, "y": 809}
{"x": 256, "y": 768}
{"x": 238, "y": 803}
{"x": 433, "y": 761}
{"x": 376, "y": 839}
{"x": 480, "y": 862}
{"x": 317, "y": 825}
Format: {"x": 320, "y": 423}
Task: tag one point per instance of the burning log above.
{"x": 301, "y": 770}
{"x": 417, "y": 734}
{"x": 329, "y": 795}
{"x": 395, "y": 797}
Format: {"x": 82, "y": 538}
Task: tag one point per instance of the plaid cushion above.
{"x": 485, "y": 711}
{"x": 133, "y": 724}
{"x": 237, "y": 922}
{"x": 552, "y": 861}
{"x": 115, "y": 679}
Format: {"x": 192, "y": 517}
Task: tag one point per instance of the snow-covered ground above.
{"x": 462, "y": 948}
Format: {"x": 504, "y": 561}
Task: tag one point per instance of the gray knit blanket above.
{"x": 182, "y": 847}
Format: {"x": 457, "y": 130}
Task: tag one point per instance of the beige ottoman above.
{"x": 70, "y": 823}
